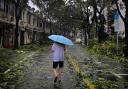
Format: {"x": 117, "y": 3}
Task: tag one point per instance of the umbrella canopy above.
{"x": 60, "y": 39}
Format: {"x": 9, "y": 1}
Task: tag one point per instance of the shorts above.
{"x": 59, "y": 63}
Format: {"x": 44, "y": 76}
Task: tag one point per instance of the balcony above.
{"x": 4, "y": 17}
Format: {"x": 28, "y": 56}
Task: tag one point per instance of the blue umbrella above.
{"x": 60, "y": 39}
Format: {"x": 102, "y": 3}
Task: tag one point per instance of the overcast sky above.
{"x": 32, "y": 5}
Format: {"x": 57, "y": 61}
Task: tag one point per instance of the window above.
{"x": 11, "y": 11}
{"x": 2, "y": 4}
{"x": 7, "y": 9}
{"x": 40, "y": 24}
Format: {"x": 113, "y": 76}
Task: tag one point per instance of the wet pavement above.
{"x": 95, "y": 73}
{"x": 38, "y": 74}
{"x": 102, "y": 72}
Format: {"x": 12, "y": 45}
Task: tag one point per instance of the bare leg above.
{"x": 60, "y": 73}
{"x": 55, "y": 74}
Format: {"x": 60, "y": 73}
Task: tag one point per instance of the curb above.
{"x": 77, "y": 69}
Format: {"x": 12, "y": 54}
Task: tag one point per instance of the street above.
{"x": 38, "y": 74}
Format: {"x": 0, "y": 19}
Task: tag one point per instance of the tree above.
{"x": 125, "y": 20}
{"x": 19, "y": 6}
{"x": 94, "y": 17}
{"x": 56, "y": 11}
{"x": 48, "y": 8}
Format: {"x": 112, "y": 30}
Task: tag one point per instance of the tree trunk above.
{"x": 44, "y": 33}
{"x": 22, "y": 37}
{"x": 88, "y": 23}
{"x": 3, "y": 40}
{"x": 85, "y": 37}
{"x": 16, "y": 34}
{"x": 101, "y": 33}
{"x": 44, "y": 26}
{"x": 126, "y": 32}
{"x": 18, "y": 12}
{"x": 1, "y": 36}
{"x": 50, "y": 27}
{"x": 96, "y": 28}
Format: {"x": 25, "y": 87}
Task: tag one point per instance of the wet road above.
{"x": 38, "y": 74}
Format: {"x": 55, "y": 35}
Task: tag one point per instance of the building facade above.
{"x": 31, "y": 26}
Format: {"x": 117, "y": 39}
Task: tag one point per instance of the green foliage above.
{"x": 11, "y": 63}
{"x": 107, "y": 48}
{"x": 106, "y": 85}
{"x": 92, "y": 42}
{"x": 4, "y": 56}
{"x": 8, "y": 59}
{"x": 33, "y": 47}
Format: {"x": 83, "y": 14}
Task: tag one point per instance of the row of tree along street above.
{"x": 94, "y": 18}
{"x": 102, "y": 25}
